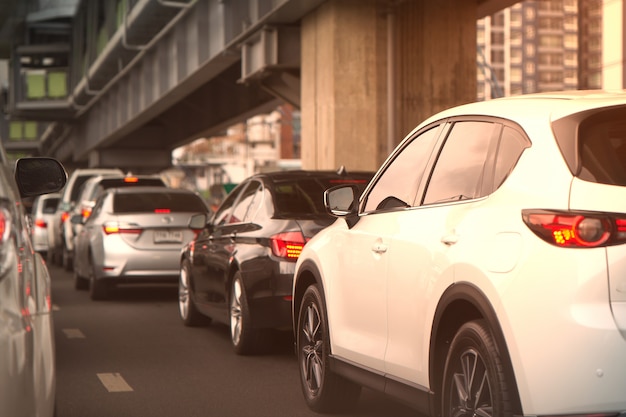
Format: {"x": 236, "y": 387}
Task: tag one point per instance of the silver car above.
{"x": 27, "y": 361}
{"x": 134, "y": 235}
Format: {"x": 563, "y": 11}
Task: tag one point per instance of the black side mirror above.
{"x": 39, "y": 175}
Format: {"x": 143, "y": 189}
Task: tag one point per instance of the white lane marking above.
{"x": 73, "y": 334}
{"x": 114, "y": 382}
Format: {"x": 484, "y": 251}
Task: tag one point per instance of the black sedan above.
{"x": 239, "y": 269}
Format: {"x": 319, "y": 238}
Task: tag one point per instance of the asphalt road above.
{"x": 131, "y": 356}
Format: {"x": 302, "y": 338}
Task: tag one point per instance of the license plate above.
{"x": 168, "y": 236}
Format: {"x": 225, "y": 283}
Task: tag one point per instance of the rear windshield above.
{"x": 107, "y": 183}
{"x": 306, "y": 195}
{"x": 50, "y": 205}
{"x": 602, "y": 149}
{"x": 157, "y": 202}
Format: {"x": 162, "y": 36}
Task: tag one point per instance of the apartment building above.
{"x": 541, "y": 45}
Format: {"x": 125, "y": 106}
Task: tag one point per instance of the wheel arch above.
{"x": 308, "y": 274}
{"x": 459, "y": 304}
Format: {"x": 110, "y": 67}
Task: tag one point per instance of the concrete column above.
{"x": 344, "y": 74}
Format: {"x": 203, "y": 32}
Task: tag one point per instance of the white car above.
{"x": 483, "y": 270}
{"x": 42, "y": 216}
{"x": 27, "y": 347}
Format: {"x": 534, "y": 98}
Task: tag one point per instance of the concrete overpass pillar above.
{"x": 346, "y": 80}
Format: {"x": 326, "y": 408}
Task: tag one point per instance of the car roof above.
{"x": 148, "y": 189}
{"x": 537, "y": 106}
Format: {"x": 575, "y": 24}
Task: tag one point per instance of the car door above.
{"x": 357, "y": 291}
{"x": 434, "y": 240}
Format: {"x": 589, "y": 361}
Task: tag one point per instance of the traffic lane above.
{"x": 131, "y": 356}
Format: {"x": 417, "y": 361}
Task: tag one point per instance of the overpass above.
{"x": 124, "y": 82}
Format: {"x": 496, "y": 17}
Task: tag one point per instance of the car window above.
{"x": 603, "y": 151}
{"x": 398, "y": 185}
{"x": 512, "y": 144}
{"x": 459, "y": 170}
{"x": 222, "y": 215}
{"x": 50, "y": 205}
{"x": 248, "y": 203}
{"x": 163, "y": 202}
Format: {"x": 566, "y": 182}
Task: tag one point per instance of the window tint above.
{"x": 398, "y": 185}
{"x": 151, "y": 202}
{"x": 222, "y": 215}
{"x": 603, "y": 150}
{"x": 459, "y": 169}
{"x": 512, "y": 144}
{"x": 50, "y": 205}
{"x": 248, "y": 203}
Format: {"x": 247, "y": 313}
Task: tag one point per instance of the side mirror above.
{"x": 198, "y": 221}
{"x": 342, "y": 200}
{"x": 39, "y": 175}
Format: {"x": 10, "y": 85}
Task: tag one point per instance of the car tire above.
{"x": 80, "y": 282}
{"x": 186, "y": 306}
{"x": 474, "y": 359}
{"x": 98, "y": 288}
{"x": 67, "y": 259}
{"x": 324, "y": 391}
{"x": 246, "y": 339}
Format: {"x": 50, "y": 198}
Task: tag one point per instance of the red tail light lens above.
{"x": 576, "y": 229}
{"x": 162, "y": 211}
{"x": 41, "y": 223}
{"x": 288, "y": 245}
{"x": 131, "y": 179}
{"x": 64, "y": 216}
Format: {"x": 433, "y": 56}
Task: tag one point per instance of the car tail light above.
{"x": 162, "y": 211}
{"x": 64, "y": 216}
{"x": 131, "y": 179}
{"x": 288, "y": 245}
{"x": 114, "y": 228}
{"x": 577, "y": 229}
{"x": 41, "y": 223}
{"x": 86, "y": 212}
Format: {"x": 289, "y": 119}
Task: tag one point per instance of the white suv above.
{"x": 483, "y": 270}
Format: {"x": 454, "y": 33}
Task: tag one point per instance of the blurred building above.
{"x": 265, "y": 142}
{"x": 545, "y": 45}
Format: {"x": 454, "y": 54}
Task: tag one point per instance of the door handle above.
{"x": 379, "y": 248}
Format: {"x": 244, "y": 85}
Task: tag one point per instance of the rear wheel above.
{"x": 324, "y": 391}
{"x": 186, "y": 307}
{"x": 80, "y": 282}
{"x": 246, "y": 339}
{"x": 474, "y": 381}
{"x": 98, "y": 288}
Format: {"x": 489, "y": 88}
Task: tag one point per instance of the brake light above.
{"x": 131, "y": 179}
{"x": 41, "y": 223}
{"x": 111, "y": 228}
{"x": 64, "y": 216}
{"x": 576, "y": 229}
{"x": 288, "y": 245}
{"x": 162, "y": 211}
{"x": 85, "y": 212}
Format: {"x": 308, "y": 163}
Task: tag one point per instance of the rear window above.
{"x": 50, "y": 205}
{"x": 306, "y": 195}
{"x": 602, "y": 148}
{"x": 157, "y": 202}
{"x": 107, "y": 183}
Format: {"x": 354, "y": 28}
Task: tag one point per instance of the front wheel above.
{"x": 474, "y": 382}
{"x": 324, "y": 391}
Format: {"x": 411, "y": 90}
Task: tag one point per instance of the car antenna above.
{"x": 342, "y": 170}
